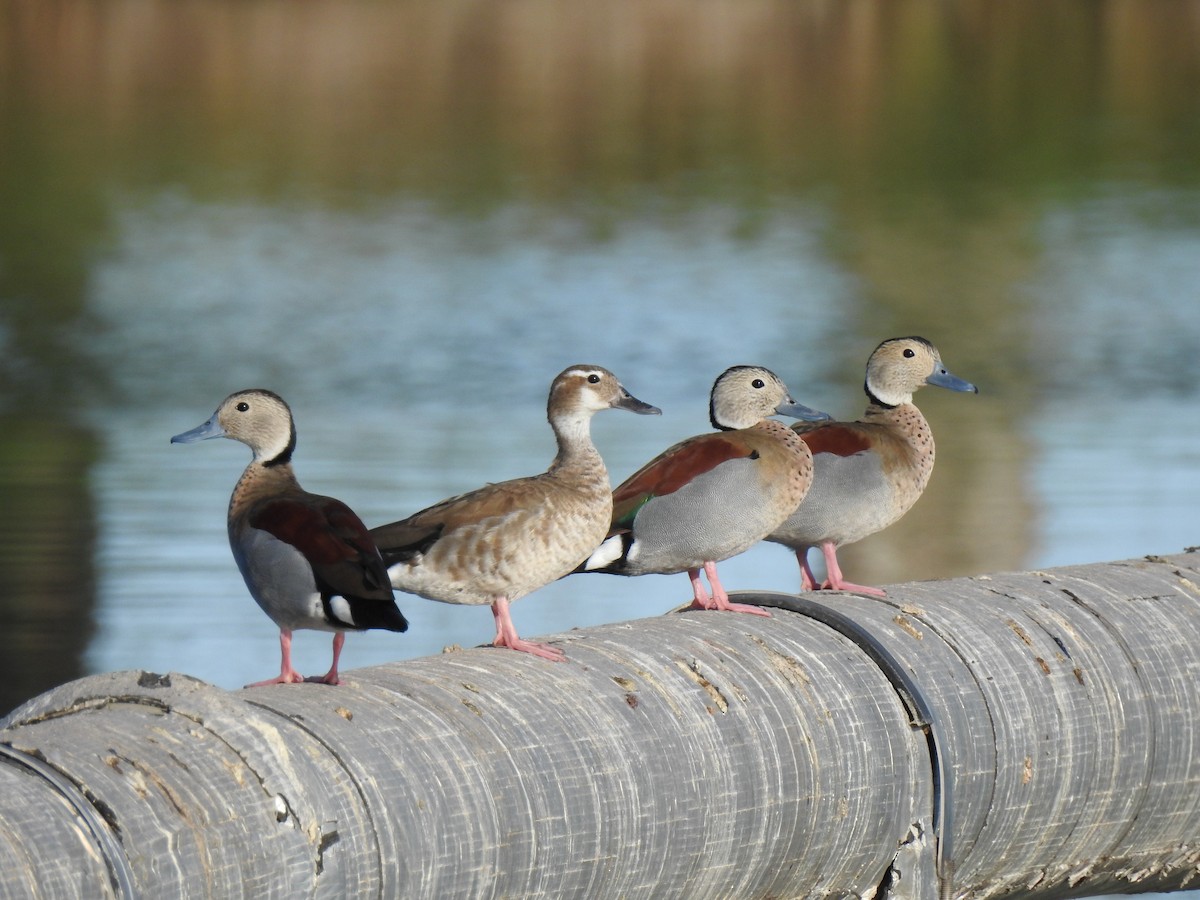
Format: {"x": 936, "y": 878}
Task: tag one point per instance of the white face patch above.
{"x": 272, "y": 449}
{"x": 892, "y": 398}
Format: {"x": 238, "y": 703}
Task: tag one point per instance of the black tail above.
{"x": 368, "y": 613}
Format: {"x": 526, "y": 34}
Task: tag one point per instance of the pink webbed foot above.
{"x": 287, "y": 676}
{"x": 544, "y": 651}
{"x": 852, "y": 588}
{"x": 506, "y": 635}
{"x": 331, "y": 677}
{"x": 719, "y": 599}
{"x": 836, "y": 582}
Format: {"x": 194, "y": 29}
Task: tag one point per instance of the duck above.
{"x": 307, "y": 560}
{"x": 714, "y": 495}
{"x": 496, "y": 544}
{"x": 869, "y": 472}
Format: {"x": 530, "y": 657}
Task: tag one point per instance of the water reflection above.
{"x": 47, "y": 569}
{"x": 407, "y": 217}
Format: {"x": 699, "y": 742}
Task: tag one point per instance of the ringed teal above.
{"x": 870, "y": 472}
{"x": 307, "y": 560}
{"x": 714, "y": 495}
{"x": 496, "y": 544}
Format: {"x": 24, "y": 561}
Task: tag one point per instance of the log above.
{"x": 1027, "y": 733}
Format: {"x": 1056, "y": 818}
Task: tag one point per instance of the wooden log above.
{"x": 1019, "y": 733}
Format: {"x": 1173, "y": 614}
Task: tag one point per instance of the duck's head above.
{"x": 588, "y": 389}
{"x": 258, "y": 418}
{"x": 745, "y": 395}
{"x": 900, "y": 366}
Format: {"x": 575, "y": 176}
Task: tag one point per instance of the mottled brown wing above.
{"x": 420, "y": 531}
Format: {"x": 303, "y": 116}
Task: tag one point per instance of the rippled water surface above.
{"x": 417, "y": 359}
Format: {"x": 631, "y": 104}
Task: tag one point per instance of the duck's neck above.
{"x": 259, "y": 479}
{"x": 889, "y": 412}
{"x": 907, "y": 422}
{"x": 915, "y": 445}
{"x": 576, "y": 452}
{"x": 878, "y": 396}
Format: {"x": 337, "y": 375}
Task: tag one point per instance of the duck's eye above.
{"x": 593, "y": 378}
{"x": 758, "y": 383}
{"x": 909, "y": 352}
{"x": 243, "y": 406}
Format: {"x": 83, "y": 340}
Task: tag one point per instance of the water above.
{"x": 412, "y": 378}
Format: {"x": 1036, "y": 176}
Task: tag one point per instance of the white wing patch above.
{"x": 606, "y": 554}
{"x": 341, "y": 611}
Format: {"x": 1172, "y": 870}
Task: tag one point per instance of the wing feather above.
{"x": 674, "y": 468}
{"x": 333, "y": 539}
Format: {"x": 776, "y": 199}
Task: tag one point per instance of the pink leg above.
{"x": 836, "y": 582}
{"x": 331, "y": 677}
{"x": 719, "y": 599}
{"x": 808, "y": 581}
{"x": 700, "y": 598}
{"x": 287, "y": 675}
{"x": 506, "y": 635}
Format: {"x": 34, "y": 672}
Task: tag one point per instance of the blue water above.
{"x": 416, "y": 352}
